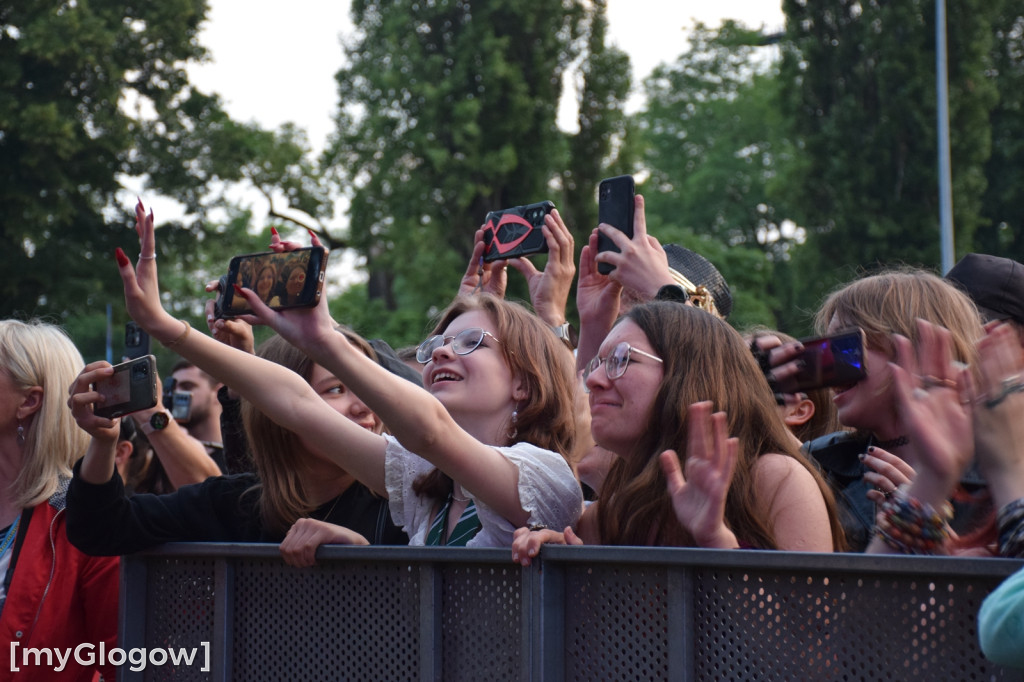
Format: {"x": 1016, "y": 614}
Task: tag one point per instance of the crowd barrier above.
{"x": 580, "y": 613}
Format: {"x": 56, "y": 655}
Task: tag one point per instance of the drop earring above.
{"x": 21, "y": 434}
{"x": 515, "y": 431}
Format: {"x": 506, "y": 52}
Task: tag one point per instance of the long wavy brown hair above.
{"x": 704, "y": 359}
{"x": 277, "y": 453}
{"x": 539, "y": 359}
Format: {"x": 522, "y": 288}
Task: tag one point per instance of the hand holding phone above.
{"x": 290, "y": 279}
{"x": 615, "y": 208}
{"x": 827, "y": 361}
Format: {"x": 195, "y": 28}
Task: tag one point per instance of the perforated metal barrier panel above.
{"x": 580, "y": 613}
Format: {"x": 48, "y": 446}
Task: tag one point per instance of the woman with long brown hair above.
{"x": 657, "y": 379}
{"x": 296, "y": 497}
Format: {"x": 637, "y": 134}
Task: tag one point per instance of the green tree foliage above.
{"x": 602, "y": 147}
{"x": 66, "y": 70}
{"x": 448, "y": 112}
{"x": 1002, "y": 228}
{"x": 862, "y": 98}
{"x": 713, "y": 141}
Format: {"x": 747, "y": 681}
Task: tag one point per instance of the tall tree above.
{"x": 862, "y": 78}
{"x": 713, "y": 142}
{"x": 66, "y": 71}
{"x": 1002, "y": 230}
{"x": 448, "y": 111}
{"x": 603, "y": 145}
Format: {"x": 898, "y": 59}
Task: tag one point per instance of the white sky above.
{"x": 274, "y": 62}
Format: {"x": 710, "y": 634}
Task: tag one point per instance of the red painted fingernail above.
{"x": 273, "y": 231}
{"x": 122, "y": 260}
{"x": 311, "y": 232}
{"x": 238, "y": 289}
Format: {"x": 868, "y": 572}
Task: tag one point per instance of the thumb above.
{"x": 525, "y": 267}
{"x": 571, "y": 538}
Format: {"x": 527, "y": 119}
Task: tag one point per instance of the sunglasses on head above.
{"x": 463, "y": 343}
{"x": 615, "y": 363}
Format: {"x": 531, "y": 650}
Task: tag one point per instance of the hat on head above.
{"x": 995, "y": 284}
{"x": 707, "y": 288}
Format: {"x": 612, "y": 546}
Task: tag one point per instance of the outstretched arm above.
{"x": 276, "y": 391}
{"x": 415, "y": 417}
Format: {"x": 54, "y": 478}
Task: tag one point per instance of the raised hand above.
{"x": 698, "y": 496}
{"x": 82, "y": 397}
{"x": 641, "y": 265}
{"x": 998, "y": 413}
{"x": 597, "y": 301}
{"x": 306, "y": 535}
{"x": 549, "y": 289}
{"x": 932, "y": 396}
{"x": 232, "y": 332}
{"x": 480, "y": 276}
{"x": 141, "y": 288}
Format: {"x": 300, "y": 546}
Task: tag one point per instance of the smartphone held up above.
{"x": 132, "y": 387}
{"x": 515, "y": 232}
{"x": 827, "y": 362}
{"x": 292, "y": 279}
{"x": 615, "y": 208}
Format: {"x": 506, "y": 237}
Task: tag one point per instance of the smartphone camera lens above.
{"x": 140, "y": 371}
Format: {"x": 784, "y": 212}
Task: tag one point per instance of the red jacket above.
{"x": 58, "y": 599}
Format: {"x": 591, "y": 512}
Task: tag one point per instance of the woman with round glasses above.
{"x": 679, "y": 479}
{"x": 486, "y": 431}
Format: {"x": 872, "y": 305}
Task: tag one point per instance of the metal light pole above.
{"x": 945, "y": 166}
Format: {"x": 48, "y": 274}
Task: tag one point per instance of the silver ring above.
{"x": 153, "y": 257}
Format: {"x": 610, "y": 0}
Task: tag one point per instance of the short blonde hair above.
{"x": 36, "y": 353}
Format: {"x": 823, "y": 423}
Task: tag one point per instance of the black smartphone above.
{"x": 136, "y": 341}
{"x": 614, "y": 207}
{"x": 178, "y": 402}
{"x": 515, "y": 232}
{"x": 833, "y": 360}
{"x": 293, "y": 279}
{"x": 131, "y": 388}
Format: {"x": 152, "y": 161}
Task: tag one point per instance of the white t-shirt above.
{"x": 547, "y": 488}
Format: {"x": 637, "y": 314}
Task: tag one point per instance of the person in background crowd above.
{"x": 996, "y": 285}
{"x": 52, "y": 595}
{"x": 870, "y": 462}
{"x": 296, "y": 497}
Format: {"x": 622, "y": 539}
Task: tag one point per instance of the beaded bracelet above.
{"x": 912, "y": 527}
{"x": 1010, "y": 521}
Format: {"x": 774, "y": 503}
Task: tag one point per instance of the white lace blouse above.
{"x": 548, "y": 490}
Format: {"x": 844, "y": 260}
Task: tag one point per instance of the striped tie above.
{"x": 467, "y": 526}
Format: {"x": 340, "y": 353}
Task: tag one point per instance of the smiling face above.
{"x": 477, "y": 383}
{"x": 870, "y": 404}
{"x": 265, "y": 282}
{"x": 344, "y": 401}
{"x": 296, "y": 280}
{"x": 620, "y": 409}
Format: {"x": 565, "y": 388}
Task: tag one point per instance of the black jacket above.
{"x": 101, "y": 521}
